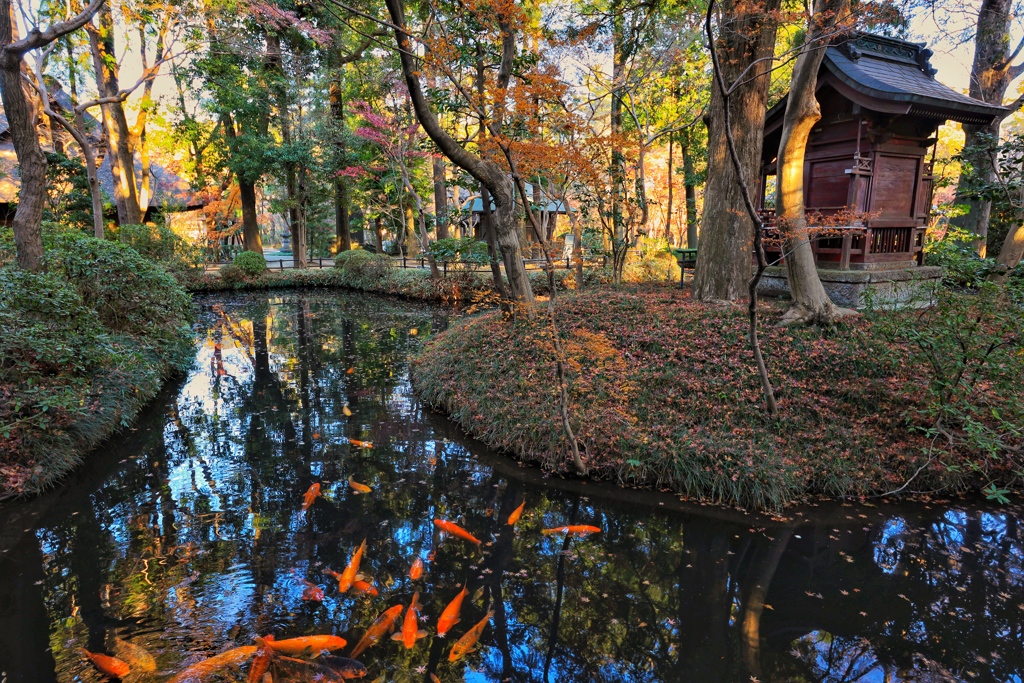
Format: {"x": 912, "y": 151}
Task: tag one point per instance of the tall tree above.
{"x": 115, "y": 124}
{"x": 810, "y": 301}
{"x": 992, "y": 72}
{"x": 18, "y": 110}
{"x": 745, "y": 45}
{"x": 489, "y": 173}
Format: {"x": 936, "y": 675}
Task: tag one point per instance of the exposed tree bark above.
{"x": 991, "y": 75}
{"x": 748, "y": 205}
{"x": 115, "y": 124}
{"x": 747, "y": 35}
{"x": 377, "y": 236}
{"x": 440, "y": 198}
{"x": 810, "y": 301}
{"x": 1011, "y": 253}
{"x": 488, "y": 173}
{"x": 28, "y": 217}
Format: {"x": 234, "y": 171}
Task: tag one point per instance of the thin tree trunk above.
{"x": 747, "y": 35}
{"x": 810, "y": 301}
{"x": 342, "y": 224}
{"x": 690, "y": 192}
{"x": 440, "y": 198}
{"x": 115, "y": 124}
{"x": 668, "y": 203}
{"x": 377, "y": 236}
{"x": 78, "y": 132}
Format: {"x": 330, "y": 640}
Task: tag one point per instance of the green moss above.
{"x": 664, "y": 392}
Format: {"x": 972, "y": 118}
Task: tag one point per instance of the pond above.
{"x": 186, "y": 537}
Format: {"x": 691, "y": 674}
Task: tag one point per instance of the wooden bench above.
{"x": 686, "y": 258}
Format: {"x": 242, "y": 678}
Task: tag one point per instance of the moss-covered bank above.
{"x": 663, "y": 392}
{"x": 83, "y": 347}
{"x": 368, "y": 272}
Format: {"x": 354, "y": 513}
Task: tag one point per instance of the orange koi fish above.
{"x": 261, "y": 662}
{"x": 411, "y": 631}
{"x": 312, "y": 494}
{"x": 357, "y": 487}
{"x": 110, "y": 666}
{"x": 313, "y": 592}
{"x": 577, "y": 530}
{"x": 434, "y": 679}
{"x": 516, "y": 514}
{"x": 361, "y": 444}
{"x": 466, "y": 642}
{"x": 349, "y": 576}
{"x": 384, "y": 623}
{"x": 416, "y": 570}
{"x": 456, "y": 530}
{"x": 360, "y": 586}
{"x": 450, "y": 615}
{"x": 199, "y": 672}
{"x": 306, "y": 645}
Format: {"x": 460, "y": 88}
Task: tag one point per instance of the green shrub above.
{"x": 84, "y": 346}
{"x": 362, "y": 263}
{"x": 465, "y": 251}
{"x": 130, "y": 293}
{"x": 962, "y": 267}
{"x": 251, "y": 263}
{"x": 161, "y": 244}
{"x": 232, "y": 274}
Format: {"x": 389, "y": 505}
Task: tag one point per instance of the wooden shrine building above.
{"x": 869, "y": 154}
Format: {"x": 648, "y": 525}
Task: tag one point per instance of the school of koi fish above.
{"x": 309, "y": 658}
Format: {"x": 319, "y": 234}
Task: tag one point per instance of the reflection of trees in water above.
{"x": 199, "y": 543}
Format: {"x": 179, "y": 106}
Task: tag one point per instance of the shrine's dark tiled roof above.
{"x": 885, "y": 74}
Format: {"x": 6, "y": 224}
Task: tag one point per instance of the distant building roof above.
{"x": 549, "y": 205}
{"x": 894, "y": 76}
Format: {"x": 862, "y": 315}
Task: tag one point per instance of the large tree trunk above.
{"x": 620, "y": 53}
{"x": 28, "y": 217}
{"x": 1011, "y": 253}
{"x": 440, "y": 198}
{"x": 250, "y": 224}
{"x": 991, "y": 75}
{"x": 246, "y": 196}
{"x": 810, "y": 301}
{"x": 491, "y": 175}
{"x": 115, "y": 125}
{"x": 724, "y": 260}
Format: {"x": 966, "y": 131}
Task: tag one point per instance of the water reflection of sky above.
{"x": 195, "y": 542}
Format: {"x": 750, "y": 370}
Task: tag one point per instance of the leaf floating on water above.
{"x": 414, "y": 331}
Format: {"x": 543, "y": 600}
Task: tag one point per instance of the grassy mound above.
{"x": 84, "y": 346}
{"x": 663, "y": 392}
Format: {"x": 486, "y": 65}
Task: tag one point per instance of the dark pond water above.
{"x": 185, "y": 536}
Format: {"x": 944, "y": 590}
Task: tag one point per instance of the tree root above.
{"x": 825, "y": 316}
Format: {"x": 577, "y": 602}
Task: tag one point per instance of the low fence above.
{"x": 418, "y": 262}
